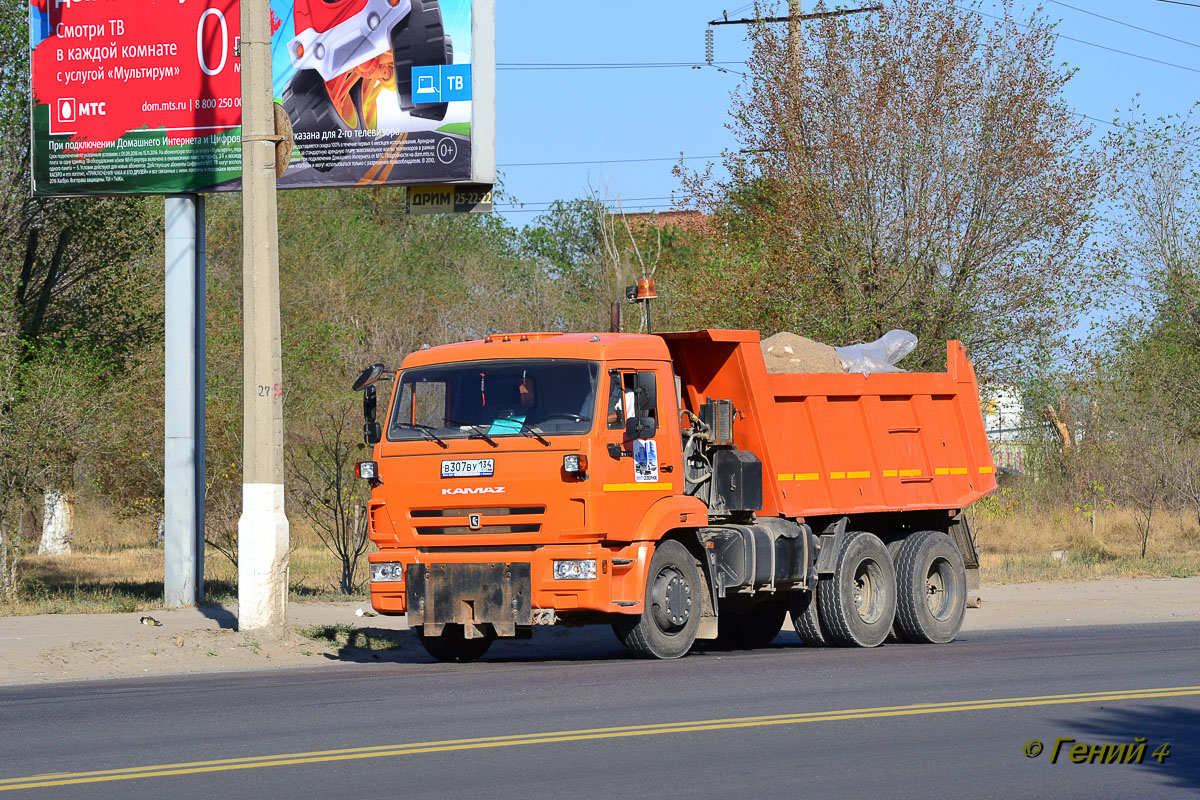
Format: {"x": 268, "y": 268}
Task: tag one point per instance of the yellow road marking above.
{"x": 418, "y": 748}
{"x": 637, "y": 487}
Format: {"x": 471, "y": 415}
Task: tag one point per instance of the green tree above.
{"x": 916, "y": 168}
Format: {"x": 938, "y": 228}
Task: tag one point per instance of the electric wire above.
{"x": 1126, "y": 24}
{"x": 1090, "y": 44}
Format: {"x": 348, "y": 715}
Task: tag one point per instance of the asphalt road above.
{"x": 568, "y": 715}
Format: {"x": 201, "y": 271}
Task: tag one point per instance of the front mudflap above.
{"x": 471, "y": 595}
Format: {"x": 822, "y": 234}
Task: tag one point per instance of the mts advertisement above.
{"x": 144, "y": 96}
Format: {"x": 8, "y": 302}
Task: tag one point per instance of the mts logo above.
{"x": 69, "y": 110}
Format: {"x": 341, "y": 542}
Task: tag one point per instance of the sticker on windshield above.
{"x": 645, "y": 461}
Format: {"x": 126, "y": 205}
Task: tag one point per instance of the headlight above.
{"x": 575, "y": 464}
{"x": 574, "y": 569}
{"x": 387, "y": 572}
{"x": 367, "y": 469}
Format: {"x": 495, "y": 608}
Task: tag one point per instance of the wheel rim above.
{"x": 868, "y": 597}
{"x": 940, "y": 589}
{"x": 671, "y": 600}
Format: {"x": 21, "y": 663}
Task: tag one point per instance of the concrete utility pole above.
{"x": 263, "y": 528}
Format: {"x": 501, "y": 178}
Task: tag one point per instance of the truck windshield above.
{"x": 489, "y": 399}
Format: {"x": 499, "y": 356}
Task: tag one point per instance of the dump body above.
{"x": 845, "y": 444}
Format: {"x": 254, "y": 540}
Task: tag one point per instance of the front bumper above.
{"x": 492, "y": 593}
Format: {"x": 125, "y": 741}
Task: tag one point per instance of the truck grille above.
{"x": 456, "y": 521}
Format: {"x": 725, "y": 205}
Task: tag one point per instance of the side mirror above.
{"x": 368, "y": 377}
{"x": 646, "y": 388}
{"x": 372, "y": 431}
{"x": 641, "y": 428}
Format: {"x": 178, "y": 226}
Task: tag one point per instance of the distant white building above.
{"x": 1005, "y": 420}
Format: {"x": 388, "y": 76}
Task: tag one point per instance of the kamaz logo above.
{"x": 475, "y": 490}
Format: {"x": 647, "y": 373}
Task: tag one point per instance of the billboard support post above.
{"x": 183, "y": 455}
{"x": 263, "y": 529}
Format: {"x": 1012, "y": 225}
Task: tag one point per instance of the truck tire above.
{"x": 453, "y": 647}
{"x": 307, "y": 103}
{"x": 857, "y": 604}
{"x": 932, "y": 586}
{"x": 751, "y": 629}
{"x": 419, "y": 40}
{"x": 805, "y": 619}
{"x": 670, "y": 616}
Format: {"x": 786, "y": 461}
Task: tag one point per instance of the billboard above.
{"x": 144, "y": 96}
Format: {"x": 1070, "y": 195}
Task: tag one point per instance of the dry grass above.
{"x": 117, "y": 566}
{"x": 1017, "y": 536}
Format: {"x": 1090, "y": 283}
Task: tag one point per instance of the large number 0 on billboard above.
{"x": 145, "y": 95}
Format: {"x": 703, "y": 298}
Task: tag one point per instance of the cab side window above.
{"x": 631, "y": 394}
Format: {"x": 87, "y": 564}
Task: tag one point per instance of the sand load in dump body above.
{"x": 844, "y": 444}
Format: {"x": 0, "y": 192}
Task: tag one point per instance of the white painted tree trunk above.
{"x": 58, "y": 524}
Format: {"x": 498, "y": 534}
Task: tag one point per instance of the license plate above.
{"x": 473, "y": 468}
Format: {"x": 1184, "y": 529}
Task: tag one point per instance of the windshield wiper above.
{"x": 531, "y": 431}
{"x": 428, "y": 430}
{"x": 479, "y": 432}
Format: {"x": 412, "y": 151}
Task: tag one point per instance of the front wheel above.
{"x": 670, "y": 616}
{"x": 858, "y": 602}
{"x": 452, "y": 646}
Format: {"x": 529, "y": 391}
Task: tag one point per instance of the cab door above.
{"x": 637, "y": 471}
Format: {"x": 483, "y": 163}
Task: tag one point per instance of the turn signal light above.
{"x": 575, "y": 464}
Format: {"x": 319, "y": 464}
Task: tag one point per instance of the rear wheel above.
{"x": 752, "y": 628}
{"x": 419, "y": 40}
{"x": 858, "y": 602}
{"x": 452, "y": 646}
{"x": 806, "y": 620}
{"x": 670, "y": 616}
{"x": 932, "y": 586}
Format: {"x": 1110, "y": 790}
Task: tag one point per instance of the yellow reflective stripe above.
{"x": 807, "y": 476}
{"x": 958, "y": 470}
{"x": 785, "y": 476}
{"x": 986, "y": 470}
{"x": 637, "y": 487}
{"x": 858, "y": 474}
{"x": 837, "y": 475}
{"x": 941, "y": 471}
{"x": 890, "y": 473}
{"x": 910, "y": 473}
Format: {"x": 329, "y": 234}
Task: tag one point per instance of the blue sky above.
{"x": 612, "y": 114}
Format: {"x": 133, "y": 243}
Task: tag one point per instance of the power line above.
{"x": 607, "y": 161}
{"x": 539, "y": 67}
{"x": 1180, "y": 3}
{"x": 1090, "y": 44}
{"x": 1126, "y": 24}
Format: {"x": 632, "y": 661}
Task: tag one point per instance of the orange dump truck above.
{"x": 670, "y": 487}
